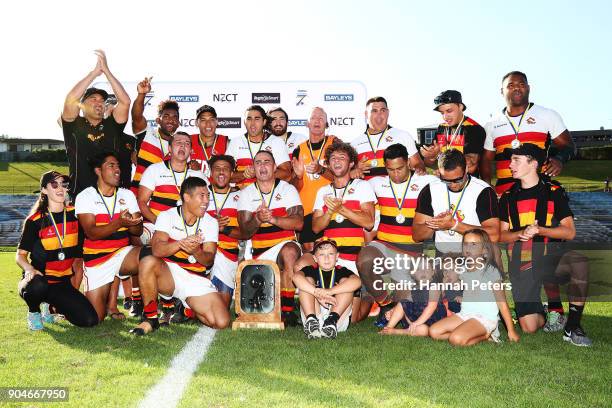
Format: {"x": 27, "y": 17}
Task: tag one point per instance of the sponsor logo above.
{"x": 265, "y": 97}
{"x": 185, "y": 98}
{"x": 278, "y": 197}
{"x": 342, "y": 121}
{"x": 236, "y": 197}
{"x": 500, "y": 125}
{"x": 389, "y": 138}
{"x": 268, "y": 148}
{"x": 351, "y": 190}
{"x": 414, "y": 187}
{"x": 188, "y": 122}
{"x": 296, "y": 122}
{"x": 339, "y": 97}
{"x": 233, "y": 123}
{"x": 300, "y": 96}
{"x": 148, "y": 98}
{"x": 121, "y": 201}
{"x": 531, "y": 120}
{"x": 225, "y": 97}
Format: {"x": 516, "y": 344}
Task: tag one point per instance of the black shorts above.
{"x": 526, "y": 292}
{"x": 307, "y": 235}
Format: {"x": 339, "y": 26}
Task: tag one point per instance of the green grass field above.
{"x": 23, "y": 178}
{"x": 105, "y": 366}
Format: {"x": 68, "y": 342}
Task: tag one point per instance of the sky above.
{"x": 406, "y": 51}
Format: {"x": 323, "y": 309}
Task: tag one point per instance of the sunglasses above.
{"x": 442, "y": 100}
{"x": 55, "y": 184}
{"x": 453, "y": 181}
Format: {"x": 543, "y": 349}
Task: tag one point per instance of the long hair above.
{"x": 41, "y": 205}
{"x": 489, "y": 247}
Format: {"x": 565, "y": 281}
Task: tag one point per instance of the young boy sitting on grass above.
{"x": 326, "y": 292}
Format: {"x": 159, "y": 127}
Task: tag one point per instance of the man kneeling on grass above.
{"x": 326, "y": 292}
{"x": 183, "y": 247}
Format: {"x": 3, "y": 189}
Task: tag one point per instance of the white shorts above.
{"x": 489, "y": 325}
{"x": 343, "y": 322}
{"x": 271, "y": 254}
{"x": 99, "y": 275}
{"x": 147, "y": 232}
{"x": 224, "y": 270}
{"x": 188, "y": 284}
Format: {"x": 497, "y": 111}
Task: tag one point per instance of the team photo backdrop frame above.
{"x": 344, "y": 102}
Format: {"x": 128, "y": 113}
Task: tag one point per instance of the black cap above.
{"x": 529, "y": 149}
{"x": 324, "y": 241}
{"x": 93, "y": 91}
{"x": 49, "y": 176}
{"x": 204, "y": 109}
{"x": 449, "y": 96}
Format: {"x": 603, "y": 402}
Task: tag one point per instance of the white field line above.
{"x": 170, "y": 388}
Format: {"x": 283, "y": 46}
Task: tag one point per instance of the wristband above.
{"x": 455, "y": 226}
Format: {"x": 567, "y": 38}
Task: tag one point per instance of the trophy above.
{"x": 257, "y": 296}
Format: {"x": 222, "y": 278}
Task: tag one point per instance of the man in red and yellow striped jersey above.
{"x": 161, "y": 182}
{"x": 108, "y": 215}
{"x": 344, "y": 208}
{"x": 183, "y": 248}
{"x": 456, "y": 132}
{"x": 155, "y": 139}
{"x": 223, "y": 206}
{"x": 397, "y": 199}
{"x": 270, "y": 212}
{"x": 377, "y": 137}
{"x": 523, "y": 122}
{"x": 535, "y": 220}
{"x": 244, "y": 148}
{"x": 207, "y": 143}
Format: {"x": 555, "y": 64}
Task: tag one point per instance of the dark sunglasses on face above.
{"x": 55, "y": 184}
{"x": 453, "y": 181}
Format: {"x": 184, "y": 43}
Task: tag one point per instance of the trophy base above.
{"x": 236, "y": 325}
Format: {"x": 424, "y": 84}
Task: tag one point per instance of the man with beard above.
{"x": 270, "y": 213}
{"x": 223, "y": 206}
{"x": 245, "y": 148}
{"x": 310, "y": 172}
{"x": 92, "y": 133}
{"x": 278, "y": 126}
{"x": 154, "y": 146}
{"x": 456, "y": 132}
{"x": 207, "y": 143}
{"x": 108, "y": 215}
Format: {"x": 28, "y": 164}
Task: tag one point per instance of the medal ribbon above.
{"x": 331, "y": 279}
{"x": 377, "y": 144}
{"x": 217, "y": 208}
{"x": 517, "y": 129}
{"x": 455, "y": 133}
{"x": 320, "y": 151}
{"x": 178, "y": 186}
{"x": 343, "y": 192}
{"x": 60, "y": 239}
{"x": 263, "y": 200}
{"x": 161, "y": 144}
{"x": 111, "y": 214}
{"x": 458, "y": 201}
{"x": 185, "y": 223}
{"x": 250, "y": 150}
{"x": 212, "y": 150}
{"x": 400, "y": 203}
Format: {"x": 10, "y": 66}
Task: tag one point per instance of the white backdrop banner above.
{"x": 344, "y": 102}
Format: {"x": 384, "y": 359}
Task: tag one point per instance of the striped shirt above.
{"x": 165, "y": 185}
{"x": 171, "y": 222}
{"x": 349, "y": 236}
{"x": 279, "y": 200}
{"x": 227, "y": 206}
{"x": 90, "y": 201}
{"x": 153, "y": 149}
{"x": 539, "y": 126}
{"x": 40, "y": 239}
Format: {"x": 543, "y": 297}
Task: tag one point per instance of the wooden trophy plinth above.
{"x": 257, "y": 296}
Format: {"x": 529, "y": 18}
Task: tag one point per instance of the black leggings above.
{"x": 64, "y": 297}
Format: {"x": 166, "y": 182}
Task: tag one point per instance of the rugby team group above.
{"x": 169, "y": 216}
